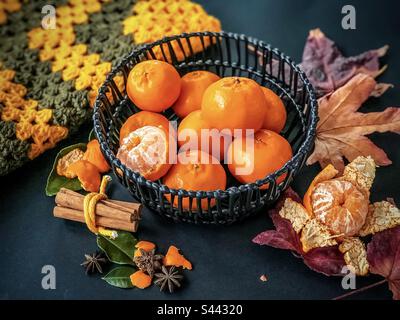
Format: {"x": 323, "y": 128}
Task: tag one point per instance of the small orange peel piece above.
{"x": 174, "y": 258}
{"x": 329, "y": 172}
{"x": 144, "y": 245}
{"x": 87, "y": 173}
{"x": 94, "y": 155}
{"x": 140, "y": 279}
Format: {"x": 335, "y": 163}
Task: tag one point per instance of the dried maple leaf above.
{"x": 327, "y": 260}
{"x": 341, "y": 129}
{"x": 327, "y": 68}
{"x": 383, "y": 254}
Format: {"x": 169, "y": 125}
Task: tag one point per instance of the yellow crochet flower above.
{"x": 69, "y": 73}
{"x": 43, "y": 116}
{"x": 23, "y": 130}
{"x": 83, "y": 81}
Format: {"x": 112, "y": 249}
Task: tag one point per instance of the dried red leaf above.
{"x": 327, "y": 68}
{"x": 283, "y": 237}
{"x": 341, "y": 129}
{"x": 383, "y": 254}
{"x": 328, "y": 260}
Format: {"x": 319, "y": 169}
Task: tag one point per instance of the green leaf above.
{"x": 120, "y": 277}
{"x": 92, "y": 135}
{"x": 119, "y": 250}
{"x": 56, "y": 182}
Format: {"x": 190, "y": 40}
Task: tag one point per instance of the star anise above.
{"x": 169, "y": 277}
{"x": 148, "y": 261}
{"x": 94, "y": 262}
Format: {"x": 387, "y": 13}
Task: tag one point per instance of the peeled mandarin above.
{"x": 340, "y": 206}
{"x": 145, "y": 151}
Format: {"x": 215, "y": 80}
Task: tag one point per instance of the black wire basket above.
{"x": 226, "y": 54}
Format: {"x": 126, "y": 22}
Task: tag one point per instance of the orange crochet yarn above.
{"x": 155, "y": 19}
{"x": 72, "y": 59}
{"x": 31, "y": 123}
{"x": 8, "y": 6}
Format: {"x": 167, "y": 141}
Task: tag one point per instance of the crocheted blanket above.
{"x": 49, "y": 77}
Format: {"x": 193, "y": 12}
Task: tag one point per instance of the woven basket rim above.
{"x": 304, "y": 148}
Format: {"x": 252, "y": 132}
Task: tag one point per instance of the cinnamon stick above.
{"x": 113, "y": 209}
{"x": 106, "y": 222}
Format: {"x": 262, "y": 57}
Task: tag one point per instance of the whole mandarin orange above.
{"x": 192, "y": 132}
{"x": 275, "y": 117}
{"x": 153, "y": 85}
{"x": 234, "y": 103}
{"x": 195, "y": 170}
{"x": 146, "y": 151}
{"x": 141, "y": 119}
{"x": 193, "y": 86}
{"x": 253, "y": 158}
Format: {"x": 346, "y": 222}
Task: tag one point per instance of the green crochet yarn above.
{"x": 13, "y": 152}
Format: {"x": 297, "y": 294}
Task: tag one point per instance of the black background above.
{"x": 227, "y": 265}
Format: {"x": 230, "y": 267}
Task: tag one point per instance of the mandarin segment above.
{"x": 68, "y": 159}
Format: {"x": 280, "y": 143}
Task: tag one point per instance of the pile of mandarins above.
{"x": 202, "y": 100}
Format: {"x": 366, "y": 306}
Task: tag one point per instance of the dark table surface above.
{"x": 227, "y": 265}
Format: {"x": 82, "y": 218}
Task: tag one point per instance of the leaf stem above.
{"x": 348, "y": 294}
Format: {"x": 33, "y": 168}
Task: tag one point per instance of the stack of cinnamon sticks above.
{"x": 111, "y": 214}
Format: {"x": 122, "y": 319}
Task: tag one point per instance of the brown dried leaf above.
{"x": 327, "y": 68}
{"x": 341, "y": 129}
{"x": 316, "y": 235}
{"x": 381, "y": 216}
{"x": 355, "y": 255}
{"x": 64, "y": 163}
{"x": 380, "y": 89}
